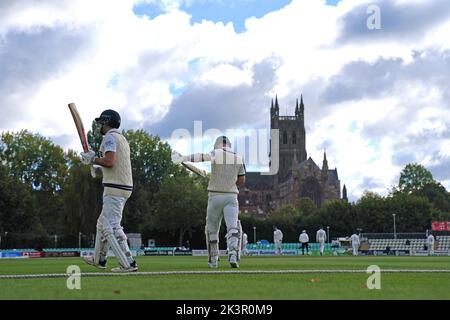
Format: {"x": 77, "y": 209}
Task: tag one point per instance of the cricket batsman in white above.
{"x": 227, "y": 173}
{"x": 118, "y": 185}
{"x": 321, "y": 237}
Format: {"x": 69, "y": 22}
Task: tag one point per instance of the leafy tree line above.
{"x": 416, "y": 201}
{"x": 47, "y": 191}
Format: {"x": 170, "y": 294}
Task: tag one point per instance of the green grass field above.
{"x": 421, "y": 286}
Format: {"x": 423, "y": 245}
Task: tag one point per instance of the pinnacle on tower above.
{"x": 325, "y": 161}
{"x": 302, "y": 106}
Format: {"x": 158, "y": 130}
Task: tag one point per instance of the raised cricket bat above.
{"x": 194, "y": 169}
{"x": 79, "y": 125}
{"x": 80, "y": 129}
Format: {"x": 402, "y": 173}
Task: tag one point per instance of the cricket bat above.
{"x": 80, "y": 129}
{"x": 79, "y": 125}
{"x": 194, "y": 169}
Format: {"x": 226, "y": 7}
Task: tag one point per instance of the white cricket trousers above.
{"x": 109, "y": 226}
{"x": 322, "y": 246}
{"x": 277, "y": 246}
{"x": 222, "y": 206}
{"x": 355, "y": 249}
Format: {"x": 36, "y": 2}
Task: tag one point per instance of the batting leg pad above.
{"x": 115, "y": 247}
{"x": 212, "y": 244}
{"x": 241, "y": 240}
{"x": 122, "y": 240}
{"x": 233, "y": 242}
{"x": 101, "y": 247}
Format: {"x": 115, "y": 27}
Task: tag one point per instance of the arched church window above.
{"x": 311, "y": 188}
{"x": 284, "y": 137}
{"x": 294, "y": 138}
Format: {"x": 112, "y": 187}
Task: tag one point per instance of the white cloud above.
{"x": 100, "y": 55}
{"x": 227, "y": 75}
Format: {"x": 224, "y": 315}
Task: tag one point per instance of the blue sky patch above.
{"x": 176, "y": 90}
{"x": 235, "y": 11}
{"x": 333, "y": 2}
{"x": 114, "y": 81}
{"x": 353, "y": 126}
{"x": 151, "y": 10}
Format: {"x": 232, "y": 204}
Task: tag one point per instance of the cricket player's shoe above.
{"x": 233, "y": 261}
{"x": 214, "y": 263}
{"x": 133, "y": 268}
{"x": 90, "y": 261}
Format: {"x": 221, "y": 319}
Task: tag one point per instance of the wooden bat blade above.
{"x": 194, "y": 169}
{"x": 79, "y": 125}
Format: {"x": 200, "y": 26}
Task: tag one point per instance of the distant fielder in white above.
{"x": 118, "y": 185}
{"x": 304, "y": 240}
{"x": 244, "y": 243}
{"x": 430, "y": 244}
{"x": 321, "y": 238}
{"x": 227, "y": 173}
{"x": 355, "y": 243}
{"x": 277, "y": 239}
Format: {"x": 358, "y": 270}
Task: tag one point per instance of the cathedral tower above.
{"x": 292, "y": 136}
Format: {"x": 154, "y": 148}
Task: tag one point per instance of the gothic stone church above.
{"x": 297, "y": 177}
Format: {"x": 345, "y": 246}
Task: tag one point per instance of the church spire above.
{"x": 325, "y": 161}
{"x": 302, "y": 106}
{"x": 344, "y": 194}
{"x": 277, "y": 107}
{"x": 296, "y": 109}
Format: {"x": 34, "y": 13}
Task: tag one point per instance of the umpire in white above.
{"x": 227, "y": 173}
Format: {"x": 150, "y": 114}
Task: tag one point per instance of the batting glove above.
{"x": 88, "y": 157}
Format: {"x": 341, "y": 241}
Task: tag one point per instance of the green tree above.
{"x": 42, "y": 165}
{"x": 438, "y": 196}
{"x": 34, "y": 160}
{"x": 95, "y": 137}
{"x": 339, "y": 215}
{"x": 82, "y": 198}
{"x": 180, "y": 206}
{"x": 284, "y": 213}
{"x": 286, "y": 218}
{"x": 151, "y": 163}
{"x": 412, "y": 213}
{"x": 17, "y": 205}
{"x": 372, "y": 214}
{"x": 306, "y": 206}
{"x": 414, "y": 177}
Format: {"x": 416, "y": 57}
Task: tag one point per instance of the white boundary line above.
{"x": 168, "y": 273}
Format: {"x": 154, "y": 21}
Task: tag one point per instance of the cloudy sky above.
{"x": 375, "y": 99}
